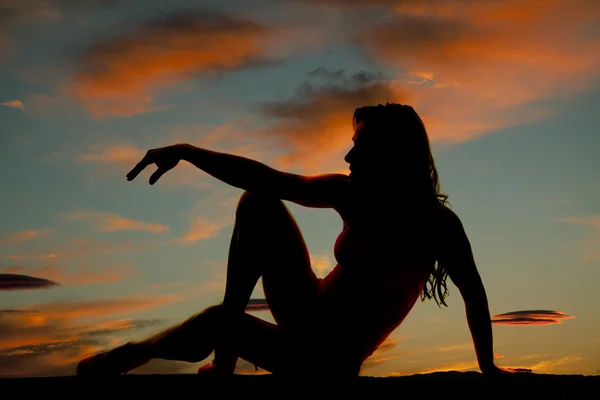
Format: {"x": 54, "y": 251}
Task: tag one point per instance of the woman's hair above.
{"x": 401, "y": 124}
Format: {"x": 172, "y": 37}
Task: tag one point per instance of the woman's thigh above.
{"x": 290, "y": 284}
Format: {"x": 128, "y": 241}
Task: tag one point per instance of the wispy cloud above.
{"x": 484, "y": 66}
{"x": 25, "y": 236}
{"x": 544, "y": 363}
{"x": 13, "y": 104}
{"x": 84, "y": 247}
{"x": 383, "y": 354}
{"x": 119, "y": 153}
{"x": 315, "y": 125}
{"x": 202, "y": 229}
{"x": 24, "y": 282}
{"x": 109, "y": 222}
{"x": 82, "y": 275}
{"x": 257, "y": 305}
{"x": 49, "y": 339}
{"x": 119, "y": 76}
{"x": 592, "y": 221}
{"x": 531, "y": 317}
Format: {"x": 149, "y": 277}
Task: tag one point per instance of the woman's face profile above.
{"x": 367, "y": 155}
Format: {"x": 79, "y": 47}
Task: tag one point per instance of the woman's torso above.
{"x": 384, "y": 257}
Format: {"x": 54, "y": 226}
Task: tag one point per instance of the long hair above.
{"x": 404, "y": 125}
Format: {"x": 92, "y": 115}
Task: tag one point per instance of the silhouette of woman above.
{"x": 399, "y": 241}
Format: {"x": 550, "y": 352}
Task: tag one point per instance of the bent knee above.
{"x": 251, "y": 202}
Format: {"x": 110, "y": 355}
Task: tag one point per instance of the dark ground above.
{"x": 437, "y": 385}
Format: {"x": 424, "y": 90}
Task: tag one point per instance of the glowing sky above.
{"x": 508, "y": 91}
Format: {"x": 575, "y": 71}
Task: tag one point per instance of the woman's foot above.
{"x": 114, "y": 362}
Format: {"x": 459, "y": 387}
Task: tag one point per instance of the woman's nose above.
{"x": 348, "y": 157}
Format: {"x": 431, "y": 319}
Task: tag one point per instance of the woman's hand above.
{"x": 494, "y": 370}
{"x": 165, "y": 158}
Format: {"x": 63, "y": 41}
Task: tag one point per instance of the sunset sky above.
{"x": 509, "y": 91}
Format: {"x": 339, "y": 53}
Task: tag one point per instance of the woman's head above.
{"x": 390, "y": 141}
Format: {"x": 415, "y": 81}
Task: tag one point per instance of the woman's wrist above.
{"x": 185, "y": 151}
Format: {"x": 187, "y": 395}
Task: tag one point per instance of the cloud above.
{"x": 203, "y": 229}
{"x": 23, "y": 282}
{"x": 593, "y": 221}
{"x": 355, "y": 4}
{"x": 16, "y": 13}
{"x": 13, "y": 104}
{"x": 321, "y": 264}
{"x": 531, "y": 317}
{"x": 60, "y": 347}
{"x": 382, "y": 354}
{"x": 457, "y": 366}
{"x": 108, "y": 222}
{"x": 316, "y": 123}
{"x": 120, "y": 76}
{"x": 120, "y": 153}
{"x": 82, "y": 275}
{"x": 257, "y": 305}
{"x": 21, "y": 14}
{"x": 78, "y": 248}
{"x": 544, "y": 363}
{"x": 472, "y": 70}
{"x": 49, "y": 339}
{"x": 25, "y": 236}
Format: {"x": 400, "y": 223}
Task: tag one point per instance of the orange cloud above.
{"x": 471, "y": 67}
{"x": 119, "y": 77}
{"x": 13, "y": 104}
{"x": 203, "y": 229}
{"x": 315, "y": 125}
{"x": 49, "y": 323}
{"x": 531, "y": 317}
{"x": 321, "y": 264}
{"x": 78, "y": 248}
{"x": 488, "y": 59}
{"x": 546, "y": 365}
{"x": 31, "y": 344}
{"x": 382, "y": 354}
{"x": 83, "y": 275}
{"x": 458, "y": 366}
{"x": 123, "y": 153}
{"x": 95, "y": 308}
{"x": 593, "y": 222}
{"x": 108, "y": 222}
{"x": 26, "y": 235}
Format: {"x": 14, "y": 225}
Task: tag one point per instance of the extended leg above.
{"x": 266, "y": 242}
{"x": 192, "y": 341}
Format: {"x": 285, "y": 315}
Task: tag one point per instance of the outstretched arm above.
{"x": 310, "y": 191}
{"x": 460, "y": 265}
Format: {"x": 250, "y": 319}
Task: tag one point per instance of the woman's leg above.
{"x": 193, "y": 340}
{"x": 267, "y": 242}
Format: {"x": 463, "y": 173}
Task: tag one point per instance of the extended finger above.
{"x": 157, "y": 174}
{"x": 139, "y": 167}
